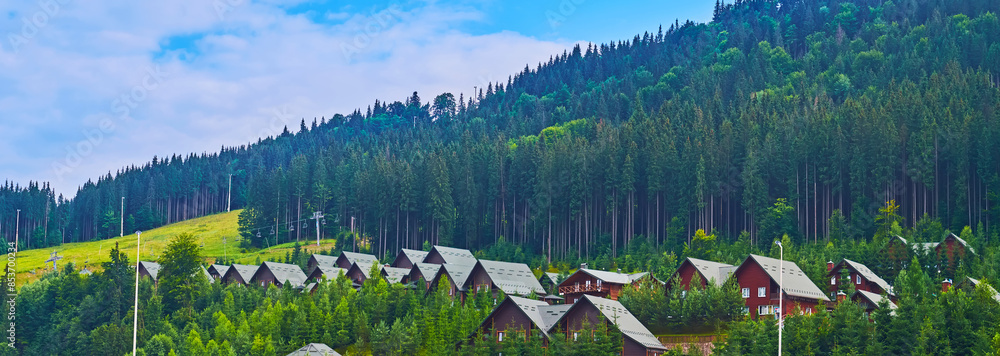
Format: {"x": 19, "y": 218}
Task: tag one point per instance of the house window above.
{"x": 833, "y": 281}
{"x": 500, "y": 336}
{"x": 746, "y": 310}
{"x": 809, "y": 310}
{"x": 684, "y": 294}
{"x": 762, "y": 292}
{"x": 746, "y": 293}
{"x": 588, "y": 283}
{"x": 576, "y": 336}
{"x": 765, "y": 310}
{"x": 451, "y": 291}
{"x": 598, "y": 283}
{"x": 857, "y": 279}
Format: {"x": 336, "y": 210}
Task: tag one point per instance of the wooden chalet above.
{"x": 856, "y": 274}
{"x": 241, "y": 274}
{"x": 359, "y": 272}
{"x": 449, "y": 255}
{"x": 321, "y": 272}
{"x": 217, "y": 271}
{"x": 456, "y": 275}
{"x": 148, "y": 269}
{"x": 970, "y": 284}
{"x": 320, "y": 260}
{"x": 950, "y": 248}
{"x": 511, "y": 278}
{"x": 518, "y": 317}
{"x": 314, "y": 350}
{"x": 346, "y": 259}
{"x": 424, "y": 271}
{"x": 870, "y": 301}
{"x": 278, "y": 274}
{"x": 758, "y": 279}
{"x": 706, "y": 272}
{"x": 590, "y": 310}
{"x": 407, "y": 257}
{"x": 598, "y": 283}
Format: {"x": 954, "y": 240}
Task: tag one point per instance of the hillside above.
{"x": 210, "y": 231}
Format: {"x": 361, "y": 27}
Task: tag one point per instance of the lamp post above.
{"x": 781, "y": 291}
{"x": 229, "y": 196}
{"x": 135, "y": 313}
{"x": 317, "y": 215}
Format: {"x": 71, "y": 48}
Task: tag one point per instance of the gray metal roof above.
{"x": 394, "y": 274}
{"x": 924, "y": 246}
{"x": 283, "y": 273}
{"x": 626, "y": 322}
{"x": 976, "y": 282}
{"x": 330, "y": 273}
{"x": 458, "y": 273}
{"x": 413, "y": 255}
{"x": 324, "y": 260}
{"x": 453, "y": 255}
{"x": 875, "y": 299}
{"x": 245, "y": 272}
{"x": 541, "y": 313}
{"x": 220, "y": 269}
{"x": 961, "y": 241}
{"x": 152, "y": 267}
{"x": 712, "y": 271}
{"x": 359, "y": 257}
{"x": 314, "y": 350}
{"x": 365, "y": 267}
{"x": 207, "y": 275}
{"x": 796, "y": 283}
{"x": 608, "y": 277}
{"x": 867, "y": 273}
{"x": 511, "y": 278}
{"x": 552, "y": 277}
{"x": 428, "y": 270}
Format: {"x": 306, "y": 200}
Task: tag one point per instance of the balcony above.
{"x": 583, "y": 288}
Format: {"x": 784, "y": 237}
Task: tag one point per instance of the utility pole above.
{"x": 122, "y": 233}
{"x": 317, "y": 215}
{"x": 135, "y": 313}
{"x": 229, "y": 196}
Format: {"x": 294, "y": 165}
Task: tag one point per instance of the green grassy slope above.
{"x": 209, "y": 231}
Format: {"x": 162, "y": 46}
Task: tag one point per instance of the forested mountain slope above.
{"x": 836, "y": 107}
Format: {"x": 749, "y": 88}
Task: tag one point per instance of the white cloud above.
{"x": 248, "y": 63}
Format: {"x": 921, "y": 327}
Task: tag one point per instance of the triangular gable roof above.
{"x": 622, "y": 318}
{"x": 365, "y": 267}
{"x": 330, "y": 273}
{"x": 245, "y": 272}
{"x": 352, "y": 257}
{"x": 796, "y": 283}
{"x": 314, "y": 350}
{"x": 428, "y": 271}
{"x": 207, "y": 275}
{"x": 550, "y": 276}
{"x": 394, "y": 274}
{"x": 710, "y": 270}
{"x": 511, "y": 278}
{"x": 960, "y": 241}
{"x": 323, "y": 260}
{"x": 413, "y": 255}
{"x": 283, "y": 273}
{"x": 218, "y": 269}
{"x": 924, "y": 246}
{"x": 151, "y": 267}
{"x": 540, "y": 313}
{"x": 975, "y": 282}
{"x": 864, "y": 271}
{"x": 453, "y": 255}
{"x": 458, "y": 274}
{"x": 873, "y": 298}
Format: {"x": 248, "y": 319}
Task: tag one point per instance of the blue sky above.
{"x": 90, "y": 87}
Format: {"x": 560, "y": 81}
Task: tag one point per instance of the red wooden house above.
{"x": 239, "y": 274}
{"x": 598, "y": 283}
{"x": 856, "y": 274}
{"x": 637, "y": 340}
{"x": 330, "y": 273}
{"x": 148, "y": 269}
{"x": 758, "y": 278}
{"x": 346, "y": 259}
{"x": 359, "y": 272}
{"x": 456, "y": 275}
{"x": 407, "y": 257}
{"x": 217, "y": 271}
{"x": 424, "y": 271}
{"x": 870, "y": 301}
{"x": 707, "y": 272}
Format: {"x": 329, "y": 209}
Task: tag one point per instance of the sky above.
{"x": 87, "y": 88}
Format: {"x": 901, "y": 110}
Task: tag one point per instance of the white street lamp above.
{"x": 781, "y": 292}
